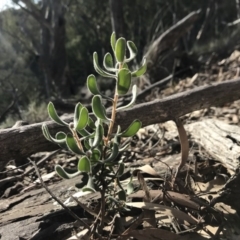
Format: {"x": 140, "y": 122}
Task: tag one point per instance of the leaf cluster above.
{"x": 91, "y": 138}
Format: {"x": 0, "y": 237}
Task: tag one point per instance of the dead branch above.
{"x": 18, "y": 143}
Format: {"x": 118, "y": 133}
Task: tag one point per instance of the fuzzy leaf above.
{"x": 63, "y": 174}
{"x": 120, "y": 170}
{"x": 83, "y": 119}
{"x": 113, "y": 155}
{"x": 132, "y": 129}
{"x": 98, "y": 69}
{"x": 48, "y": 136}
{"x": 91, "y": 123}
{"x": 124, "y": 81}
{"x": 96, "y": 154}
{"x": 98, "y": 134}
{"x": 141, "y": 70}
{"x": 120, "y": 49}
{"x": 108, "y": 62}
{"x": 98, "y": 109}
{"x": 92, "y": 85}
{"x": 72, "y": 145}
{"x": 132, "y": 50}
{"x": 84, "y": 165}
{"x": 122, "y": 195}
{"x": 134, "y": 97}
{"x": 88, "y": 189}
{"x": 54, "y": 116}
{"x": 113, "y": 41}
{"x": 130, "y": 188}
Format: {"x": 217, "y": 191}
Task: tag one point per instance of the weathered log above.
{"x": 220, "y": 140}
{"x": 34, "y": 214}
{"x": 21, "y": 142}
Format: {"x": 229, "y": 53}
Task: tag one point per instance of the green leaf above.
{"x": 84, "y": 165}
{"x": 113, "y": 155}
{"x": 130, "y": 187}
{"x": 120, "y": 170}
{"x": 83, "y": 119}
{"x": 113, "y": 41}
{"x": 48, "y": 136}
{"x": 98, "y": 69}
{"x": 77, "y": 111}
{"x": 122, "y": 195}
{"x": 46, "y": 132}
{"x": 132, "y": 129}
{"x": 63, "y": 174}
{"x": 120, "y": 49}
{"x": 141, "y": 70}
{"x": 98, "y": 134}
{"x": 90, "y": 183}
{"x": 72, "y": 145}
{"x": 86, "y": 143}
{"x": 54, "y": 116}
{"x": 134, "y": 97}
{"x": 124, "y": 81}
{"x": 125, "y": 65}
{"x": 92, "y": 85}
{"x": 91, "y": 123}
{"x": 84, "y": 133}
{"x": 88, "y": 189}
{"x": 98, "y": 109}
{"x": 61, "y": 136}
{"x": 96, "y": 154}
{"x": 108, "y": 63}
{"x": 132, "y": 50}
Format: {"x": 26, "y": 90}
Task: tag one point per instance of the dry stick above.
{"x": 55, "y": 198}
{"x": 184, "y": 145}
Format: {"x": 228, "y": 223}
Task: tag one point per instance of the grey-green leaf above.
{"x": 120, "y": 49}
{"x": 92, "y": 85}
{"x": 124, "y": 81}
{"x": 83, "y": 119}
{"x": 141, "y": 70}
{"x": 132, "y": 50}
{"x": 48, "y": 136}
{"x": 122, "y": 195}
{"x": 113, "y": 41}
{"x": 54, "y": 116}
{"x": 134, "y": 97}
{"x": 63, "y": 174}
{"x": 108, "y": 63}
{"x": 98, "y": 69}
{"x": 113, "y": 155}
{"x": 72, "y": 145}
{"x": 132, "y": 129}
{"x": 84, "y": 165}
{"x": 98, "y": 109}
{"x": 120, "y": 170}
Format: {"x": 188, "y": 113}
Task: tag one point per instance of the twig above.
{"x": 55, "y": 198}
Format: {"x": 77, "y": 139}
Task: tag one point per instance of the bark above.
{"x": 32, "y": 215}
{"x": 21, "y": 142}
{"x": 52, "y": 57}
{"x": 220, "y": 140}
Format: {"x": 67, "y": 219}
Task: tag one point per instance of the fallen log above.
{"x": 18, "y": 143}
{"x": 220, "y": 140}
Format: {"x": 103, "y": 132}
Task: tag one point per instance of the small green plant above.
{"x": 93, "y": 138}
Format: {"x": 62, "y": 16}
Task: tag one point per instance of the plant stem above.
{"x": 110, "y": 129}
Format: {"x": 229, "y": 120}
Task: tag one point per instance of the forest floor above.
{"x": 193, "y": 208}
